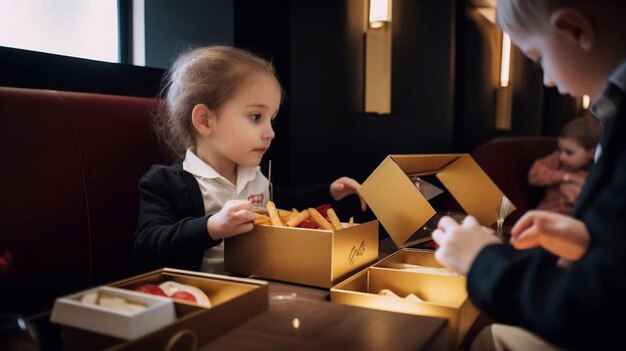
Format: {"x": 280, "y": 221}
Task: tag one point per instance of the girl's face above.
{"x": 243, "y": 130}
{"x": 574, "y": 156}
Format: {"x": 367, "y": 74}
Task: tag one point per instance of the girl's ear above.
{"x": 575, "y": 26}
{"x": 202, "y": 119}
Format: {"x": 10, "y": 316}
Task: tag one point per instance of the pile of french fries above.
{"x": 295, "y": 218}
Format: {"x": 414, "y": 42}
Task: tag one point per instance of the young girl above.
{"x": 220, "y": 105}
{"x": 564, "y": 171}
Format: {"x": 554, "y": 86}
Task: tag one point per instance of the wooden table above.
{"x": 300, "y": 318}
{"x": 303, "y": 318}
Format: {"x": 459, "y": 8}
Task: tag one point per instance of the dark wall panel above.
{"x": 270, "y": 38}
{"x": 421, "y": 119}
{"x": 173, "y": 26}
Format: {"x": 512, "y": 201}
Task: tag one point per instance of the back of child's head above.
{"x": 524, "y": 15}
{"x": 208, "y": 75}
{"x": 585, "y": 130}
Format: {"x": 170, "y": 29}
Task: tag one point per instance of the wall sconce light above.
{"x": 504, "y": 93}
{"x": 505, "y": 61}
{"x": 378, "y": 58}
{"x": 379, "y": 13}
{"x": 586, "y": 102}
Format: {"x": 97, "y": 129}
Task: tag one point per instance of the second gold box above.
{"x": 443, "y": 296}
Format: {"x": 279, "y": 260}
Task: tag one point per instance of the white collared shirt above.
{"x": 217, "y": 190}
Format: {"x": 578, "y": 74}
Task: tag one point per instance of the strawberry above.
{"x": 150, "y": 289}
{"x": 183, "y": 295}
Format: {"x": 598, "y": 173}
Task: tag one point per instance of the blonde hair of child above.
{"x": 526, "y": 15}
{"x": 209, "y": 75}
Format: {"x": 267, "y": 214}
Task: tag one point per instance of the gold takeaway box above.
{"x": 312, "y": 257}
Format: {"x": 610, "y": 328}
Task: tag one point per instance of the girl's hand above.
{"x": 459, "y": 244}
{"x": 236, "y": 217}
{"x": 345, "y": 186}
{"x": 562, "y": 235}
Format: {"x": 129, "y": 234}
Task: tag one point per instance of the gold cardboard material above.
{"x": 305, "y": 256}
{"x": 401, "y": 208}
{"x": 444, "y": 296}
{"x": 234, "y": 301}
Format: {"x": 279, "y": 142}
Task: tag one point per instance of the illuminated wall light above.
{"x": 380, "y": 13}
{"x": 378, "y": 56}
{"x": 505, "y": 61}
{"x": 586, "y": 102}
{"x": 504, "y": 93}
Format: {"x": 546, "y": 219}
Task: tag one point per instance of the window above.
{"x": 80, "y": 28}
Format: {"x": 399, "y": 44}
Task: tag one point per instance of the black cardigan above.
{"x": 172, "y": 226}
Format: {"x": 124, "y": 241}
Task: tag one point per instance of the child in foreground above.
{"x": 580, "y": 45}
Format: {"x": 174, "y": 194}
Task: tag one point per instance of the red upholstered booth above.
{"x": 69, "y": 199}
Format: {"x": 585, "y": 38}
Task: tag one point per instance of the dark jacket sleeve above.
{"x": 576, "y": 307}
{"x": 579, "y": 307}
{"x": 172, "y": 227}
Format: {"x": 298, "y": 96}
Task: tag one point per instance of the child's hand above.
{"x": 460, "y": 243}
{"x": 236, "y": 217}
{"x": 562, "y": 235}
{"x": 345, "y": 186}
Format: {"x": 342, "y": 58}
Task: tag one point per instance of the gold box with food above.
{"x": 302, "y": 254}
{"x": 412, "y": 282}
{"x": 205, "y": 306}
{"x": 394, "y": 194}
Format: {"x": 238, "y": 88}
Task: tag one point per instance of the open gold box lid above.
{"x": 403, "y": 210}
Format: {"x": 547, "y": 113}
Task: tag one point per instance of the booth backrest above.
{"x": 507, "y": 161}
{"x": 69, "y": 199}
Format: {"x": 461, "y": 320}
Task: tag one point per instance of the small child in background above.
{"x": 564, "y": 171}
{"x": 221, "y": 103}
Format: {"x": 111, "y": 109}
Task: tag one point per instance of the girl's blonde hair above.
{"x": 210, "y": 76}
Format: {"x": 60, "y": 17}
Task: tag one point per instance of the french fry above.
{"x": 334, "y": 220}
{"x": 319, "y": 219}
{"x": 297, "y": 219}
{"x": 294, "y": 213}
{"x": 312, "y": 217}
{"x": 261, "y": 219}
{"x": 271, "y": 209}
{"x": 284, "y": 214}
